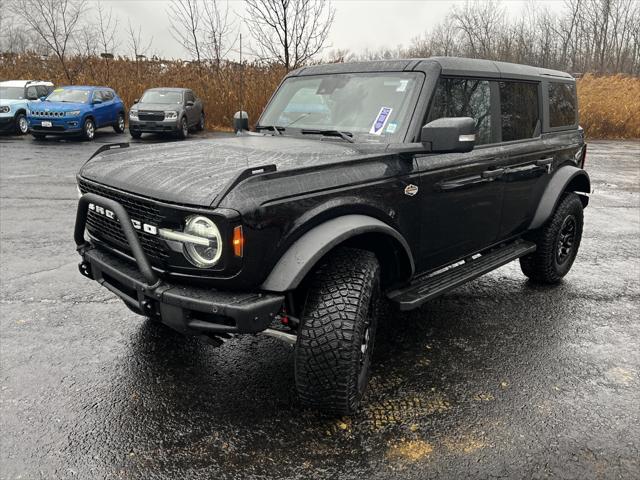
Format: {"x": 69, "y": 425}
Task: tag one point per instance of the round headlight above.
{"x": 203, "y": 256}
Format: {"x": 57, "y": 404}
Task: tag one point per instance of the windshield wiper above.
{"x": 276, "y": 129}
{"x": 347, "y": 136}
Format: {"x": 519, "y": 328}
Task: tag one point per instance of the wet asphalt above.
{"x": 498, "y": 379}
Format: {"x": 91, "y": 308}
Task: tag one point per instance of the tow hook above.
{"x": 85, "y": 269}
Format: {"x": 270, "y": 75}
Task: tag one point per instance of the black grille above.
{"x": 109, "y": 231}
{"x": 151, "y": 116}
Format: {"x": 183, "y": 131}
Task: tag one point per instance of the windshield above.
{"x": 69, "y": 95}
{"x": 371, "y": 106}
{"x": 12, "y": 93}
{"x": 162, "y": 96}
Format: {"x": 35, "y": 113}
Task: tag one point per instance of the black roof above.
{"x": 449, "y": 66}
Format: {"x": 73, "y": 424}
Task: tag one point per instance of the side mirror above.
{"x": 136, "y": 100}
{"x": 240, "y": 121}
{"x": 42, "y": 98}
{"x": 451, "y": 134}
{"x": 190, "y": 103}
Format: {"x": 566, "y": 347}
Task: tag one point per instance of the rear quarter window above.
{"x": 562, "y": 104}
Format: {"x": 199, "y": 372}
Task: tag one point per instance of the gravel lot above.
{"x": 497, "y": 379}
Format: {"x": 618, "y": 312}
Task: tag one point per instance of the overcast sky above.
{"x": 359, "y": 24}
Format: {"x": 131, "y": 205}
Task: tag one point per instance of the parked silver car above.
{"x": 166, "y": 110}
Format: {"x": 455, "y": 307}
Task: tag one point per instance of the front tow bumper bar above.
{"x": 188, "y": 309}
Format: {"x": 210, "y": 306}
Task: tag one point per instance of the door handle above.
{"x": 544, "y": 162}
{"x": 490, "y": 175}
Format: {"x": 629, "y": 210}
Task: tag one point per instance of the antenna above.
{"x": 241, "y": 84}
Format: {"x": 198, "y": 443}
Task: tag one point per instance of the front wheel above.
{"x": 119, "y": 126}
{"x": 337, "y": 331}
{"x": 135, "y": 134}
{"x": 88, "y": 129}
{"x": 200, "y": 126}
{"x": 183, "y": 129}
{"x": 558, "y": 242}
{"x": 22, "y": 125}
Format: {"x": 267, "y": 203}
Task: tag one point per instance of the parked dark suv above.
{"x": 166, "y": 110}
{"x": 383, "y": 181}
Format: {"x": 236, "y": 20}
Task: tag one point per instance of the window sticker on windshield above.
{"x": 403, "y": 86}
{"x": 59, "y": 90}
{"x": 391, "y": 128}
{"x": 381, "y": 120}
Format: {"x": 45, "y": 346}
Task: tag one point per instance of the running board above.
{"x": 427, "y": 287}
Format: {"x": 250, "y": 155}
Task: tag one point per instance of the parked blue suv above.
{"x": 76, "y": 110}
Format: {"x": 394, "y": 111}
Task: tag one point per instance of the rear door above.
{"x": 460, "y": 193}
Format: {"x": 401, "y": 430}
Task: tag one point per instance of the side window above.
{"x": 189, "y": 97}
{"x": 464, "y": 97}
{"x": 32, "y": 93}
{"x": 562, "y": 104}
{"x": 97, "y": 95}
{"x": 519, "y": 110}
{"x": 107, "y": 95}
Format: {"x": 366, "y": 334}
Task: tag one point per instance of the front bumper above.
{"x": 7, "y": 122}
{"x": 59, "y": 125}
{"x": 186, "y": 308}
{"x": 148, "y": 126}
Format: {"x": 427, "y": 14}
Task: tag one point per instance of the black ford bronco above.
{"x": 362, "y": 183}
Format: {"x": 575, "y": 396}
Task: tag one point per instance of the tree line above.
{"x": 600, "y": 36}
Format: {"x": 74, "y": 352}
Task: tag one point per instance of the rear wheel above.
{"x": 135, "y": 134}
{"x": 558, "y": 242}
{"x": 119, "y": 126}
{"x": 22, "y": 125}
{"x": 88, "y": 129}
{"x": 337, "y": 331}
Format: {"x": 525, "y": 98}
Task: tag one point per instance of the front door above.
{"x": 461, "y": 193}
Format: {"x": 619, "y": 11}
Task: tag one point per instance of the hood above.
{"x": 58, "y": 106}
{"x": 11, "y": 101}
{"x": 157, "y": 106}
{"x": 194, "y": 172}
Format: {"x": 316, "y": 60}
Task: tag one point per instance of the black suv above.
{"x": 386, "y": 181}
{"x": 166, "y": 110}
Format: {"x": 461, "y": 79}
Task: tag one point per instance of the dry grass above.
{"x": 219, "y": 88}
{"x": 609, "y": 105}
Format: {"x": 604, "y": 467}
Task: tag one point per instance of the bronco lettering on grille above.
{"x": 137, "y": 224}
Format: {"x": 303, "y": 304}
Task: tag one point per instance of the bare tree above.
{"x": 138, "y": 47}
{"x": 218, "y": 30}
{"x": 54, "y": 22}
{"x": 185, "y": 20}
{"x": 290, "y": 32}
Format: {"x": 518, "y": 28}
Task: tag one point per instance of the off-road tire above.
{"x": 183, "y": 129}
{"x": 88, "y": 129}
{"x": 22, "y": 126}
{"x": 552, "y": 260}
{"x": 135, "y": 134}
{"x": 333, "y": 349}
{"x": 119, "y": 126}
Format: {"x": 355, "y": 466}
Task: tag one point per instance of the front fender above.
{"x": 567, "y": 178}
{"x": 305, "y": 252}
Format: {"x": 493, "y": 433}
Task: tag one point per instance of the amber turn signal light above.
{"x": 238, "y": 241}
